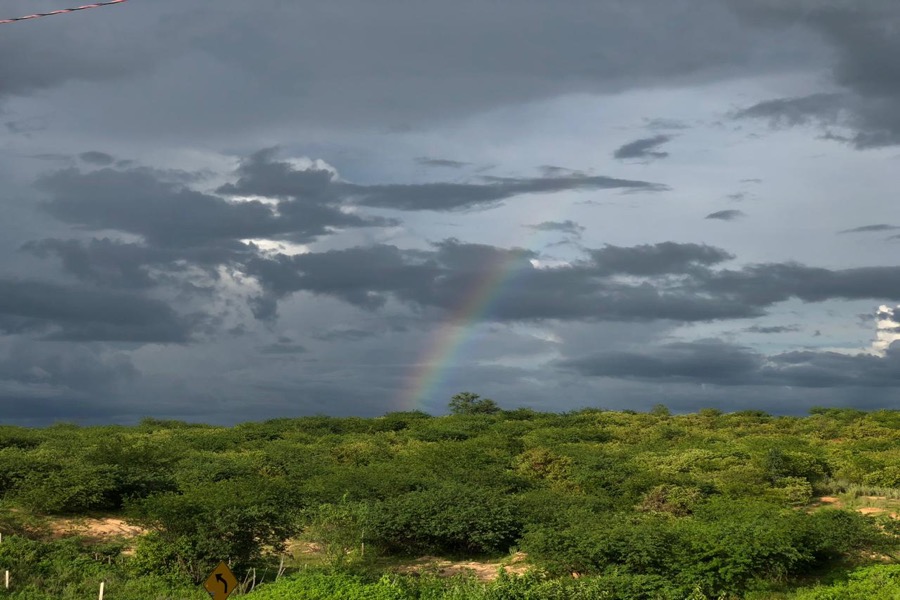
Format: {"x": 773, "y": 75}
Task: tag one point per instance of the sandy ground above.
{"x": 865, "y": 510}
{"x": 95, "y": 529}
{"x": 483, "y": 571}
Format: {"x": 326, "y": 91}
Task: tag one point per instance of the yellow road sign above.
{"x": 221, "y": 582}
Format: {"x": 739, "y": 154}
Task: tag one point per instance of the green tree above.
{"x": 467, "y": 403}
{"x": 341, "y": 530}
{"x": 660, "y": 410}
{"x": 235, "y": 521}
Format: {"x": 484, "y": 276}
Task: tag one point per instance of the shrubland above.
{"x": 605, "y": 504}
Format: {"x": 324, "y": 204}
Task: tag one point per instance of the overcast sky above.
{"x": 230, "y": 210}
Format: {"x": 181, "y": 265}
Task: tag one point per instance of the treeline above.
{"x": 637, "y": 505}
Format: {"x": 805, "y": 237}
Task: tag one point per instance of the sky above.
{"x": 228, "y": 210}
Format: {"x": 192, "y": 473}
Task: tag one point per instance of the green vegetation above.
{"x": 616, "y": 505}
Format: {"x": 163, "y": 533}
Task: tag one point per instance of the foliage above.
{"x": 193, "y": 531}
{"x": 448, "y": 519}
{"x": 640, "y": 505}
{"x": 467, "y": 403}
{"x": 341, "y": 530}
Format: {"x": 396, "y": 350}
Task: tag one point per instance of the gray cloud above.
{"x": 142, "y": 202}
{"x": 63, "y": 312}
{"x": 261, "y": 174}
{"x": 94, "y": 157}
{"x": 674, "y": 281}
{"x": 871, "y": 228}
{"x": 864, "y": 38}
{"x": 119, "y": 264}
{"x": 643, "y": 148}
{"x": 709, "y": 361}
{"x": 726, "y": 215}
{"x": 76, "y": 368}
{"x": 719, "y": 363}
{"x": 441, "y": 162}
{"x": 314, "y": 67}
{"x": 664, "y": 124}
{"x": 456, "y": 196}
{"x": 344, "y": 335}
{"x": 285, "y": 348}
{"x": 568, "y": 227}
{"x": 657, "y": 259}
{"x": 52, "y": 54}
{"x": 789, "y": 112}
{"x": 772, "y": 329}
{"x": 117, "y": 255}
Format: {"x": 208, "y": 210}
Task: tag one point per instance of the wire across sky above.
{"x": 61, "y": 11}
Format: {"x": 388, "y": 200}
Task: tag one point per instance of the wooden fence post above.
{"x": 102, "y": 585}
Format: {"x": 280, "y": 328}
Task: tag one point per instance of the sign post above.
{"x": 221, "y": 582}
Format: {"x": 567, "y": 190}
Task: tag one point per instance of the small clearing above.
{"x": 481, "y": 570}
{"x": 834, "y": 502}
{"x": 95, "y": 530}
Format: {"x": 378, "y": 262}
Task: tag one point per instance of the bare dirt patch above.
{"x": 96, "y": 530}
{"x": 870, "y": 510}
{"x": 481, "y": 570}
{"x": 835, "y": 502}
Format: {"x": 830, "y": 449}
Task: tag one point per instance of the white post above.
{"x": 6, "y": 579}
{"x": 102, "y": 584}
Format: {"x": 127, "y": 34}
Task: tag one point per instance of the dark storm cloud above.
{"x": 143, "y": 202}
{"x": 765, "y": 284}
{"x": 353, "y": 63}
{"x": 719, "y": 363}
{"x": 94, "y": 157}
{"x": 568, "y": 227}
{"x": 182, "y": 228}
{"x": 448, "y": 276}
{"x": 263, "y": 175}
{"x": 703, "y": 362}
{"x": 667, "y": 281}
{"x": 75, "y": 368}
{"x": 643, "y": 148}
{"x": 63, "y": 312}
{"x": 870, "y": 228}
{"x": 121, "y": 264}
{"x": 657, "y": 259}
{"x": 864, "y": 38}
{"x": 726, "y": 215}
{"x": 47, "y": 54}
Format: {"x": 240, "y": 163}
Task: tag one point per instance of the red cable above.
{"x": 61, "y": 11}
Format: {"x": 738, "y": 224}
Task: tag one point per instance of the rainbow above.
{"x": 456, "y": 331}
{"x": 448, "y": 342}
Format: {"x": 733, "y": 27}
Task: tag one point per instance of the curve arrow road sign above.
{"x": 221, "y": 582}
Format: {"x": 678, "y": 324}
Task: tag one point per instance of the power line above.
{"x": 61, "y": 11}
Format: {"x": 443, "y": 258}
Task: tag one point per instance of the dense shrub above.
{"x": 448, "y": 519}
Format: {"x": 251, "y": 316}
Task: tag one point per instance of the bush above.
{"x": 449, "y": 519}
{"x": 232, "y": 521}
{"x": 880, "y": 581}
